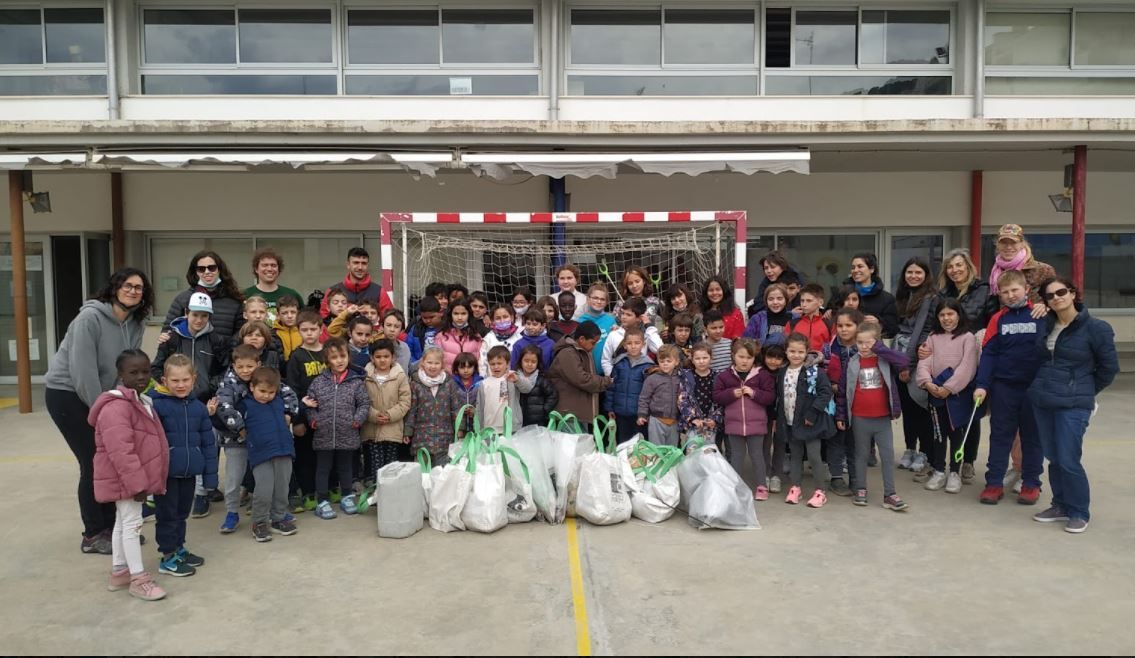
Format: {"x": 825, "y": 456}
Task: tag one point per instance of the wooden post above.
{"x": 1079, "y": 197}
{"x": 20, "y": 290}
{"x": 117, "y": 232}
{"x": 975, "y": 199}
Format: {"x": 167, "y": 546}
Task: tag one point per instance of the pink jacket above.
{"x": 131, "y": 450}
{"x": 453, "y": 345}
{"x": 957, "y": 352}
{"x": 745, "y": 416}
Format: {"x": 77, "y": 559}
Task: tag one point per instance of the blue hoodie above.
{"x": 1011, "y": 353}
{"x": 542, "y": 341}
{"x": 192, "y": 444}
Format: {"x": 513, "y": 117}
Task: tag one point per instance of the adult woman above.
{"x": 917, "y": 302}
{"x": 207, "y": 273}
{"x": 774, "y": 264}
{"x": 678, "y": 298}
{"x": 875, "y": 302}
{"x": 82, "y": 369}
{"x": 716, "y": 294}
{"x": 1080, "y": 361}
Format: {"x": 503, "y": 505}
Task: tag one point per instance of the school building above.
{"x": 161, "y": 127}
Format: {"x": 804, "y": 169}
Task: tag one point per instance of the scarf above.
{"x": 1001, "y": 265}
{"x": 505, "y": 334}
{"x": 865, "y": 290}
{"x": 431, "y": 383}
{"x": 1021, "y": 304}
{"x": 207, "y": 288}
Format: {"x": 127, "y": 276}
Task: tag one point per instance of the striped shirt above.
{"x": 722, "y": 357}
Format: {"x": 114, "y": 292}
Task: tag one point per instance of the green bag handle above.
{"x": 461, "y": 415}
{"x": 501, "y": 449}
{"x": 667, "y": 457}
{"x": 470, "y": 446}
{"x": 508, "y": 422}
{"x": 425, "y": 461}
{"x": 568, "y": 423}
{"x": 694, "y": 444}
{"x": 601, "y": 427}
{"x": 362, "y": 505}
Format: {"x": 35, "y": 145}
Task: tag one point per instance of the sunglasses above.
{"x": 1056, "y": 293}
{"x": 201, "y": 269}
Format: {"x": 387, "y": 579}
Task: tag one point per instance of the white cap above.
{"x": 199, "y": 301}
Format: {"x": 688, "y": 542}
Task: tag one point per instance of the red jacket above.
{"x": 358, "y": 291}
{"x": 131, "y": 450}
{"x": 734, "y": 324}
{"x": 815, "y": 328}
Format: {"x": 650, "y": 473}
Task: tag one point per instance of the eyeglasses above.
{"x": 1056, "y": 293}
{"x": 201, "y": 269}
{"x": 132, "y": 288}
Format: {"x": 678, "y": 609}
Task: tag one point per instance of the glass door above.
{"x": 38, "y": 304}
{"x": 905, "y": 245}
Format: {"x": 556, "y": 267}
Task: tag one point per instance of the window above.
{"x": 439, "y": 51}
{"x": 905, "y": 37}
{"x": 238, "y": 51}
{"x": 52, "y": 51}
{"x": 824, "y": 259}
{"x": 825, "y": 37}
{"x": 1014, "y": 39}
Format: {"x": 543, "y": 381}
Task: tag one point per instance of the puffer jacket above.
{"x": 573, "y": 374}
{"x": 269, "y": 435}
{"x": 430, "y": 421}
{"x": 208, "y": 350}
{"x": 229, "y": 420}
{"x": 881, "y": 304}
{"x": 538, "y": 398}
{"x": 659, "y": 396}
{"x": 978, "y": 304}
{"x": 1083, "y": 363}
{"x": 745, "y": 416}
{"x": 454, "y": 342}
{"x": 192, "y": 444}
{"x": 688, "y": 408}
{"x": 629, "y": 375}
{"x": 543, "y": 341}
{"x": 343, "y": 408}
{"x": 228, "y": 313}
{"x": 391, "y": 397}
{"x": 131, "y": 450}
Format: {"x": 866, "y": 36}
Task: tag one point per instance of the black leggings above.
{"x": 70, "y": 416}
{"x": 303, "y": 471}
{"x": 943, "y": 451}
{"x": 916, "y": 430}
{"x": 344, "y": 466}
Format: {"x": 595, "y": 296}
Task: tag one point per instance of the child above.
{"x": 596, "y": 313}
{"x": 568, "y": 277}
{"x": 338, "y": 326}
{"x": 538, "y": 398}
{"x": 257, "y": 334}
{"x": 468, "y": 381}
{"x": 457, "y": 333}
{"x": 389, "y": 390}
{"x": 434, "y": 407}
{"x": 192, "y": 335}
{"x": 629, "y": 375}
{"x": 234, "y": 388}
{"x": 304, "y": 366}
{"x": 845, "y": 297}
{"x": 767, "y": 325}
{"x": 868, "y": 400}
{"x": 270, "y": 452}
{"x": 791, "y": 281}
{"x": 565, "y": 304}
{"x": 550, "y": 308}
{"x": 535, "y": 333}
{"x": 947, "y": 375}
{"x": 680, "y": 334}
{"x": 658, "y": 401}
{"x": 719, "y": 345}
{"x": 803, "y": 420}
{"x": 774, "y": 357}
{"x": 522, "y": 300}
{"x": 498, "y": 391}
{"x": 636, "y": 283}
{"x": 1010, "y": 358}
{"x": 336, "y": 304}
{"x": 718, "y": 296}
{"x": 338, "y": 406}
{"x": 393, "y": 322}
{"x": 192, "y": 455}
{"x": 438, "y": 291}
{"x": 811, "y": 323}
{"x": 424, "y": 332}
{"x": 456, "y": 292}
{"x": 359, "y": 330}
{"x": 131, "y": 462}
{"x": 632, "y": 315}
{"x": 479, "y": 306}
{"x": 679, "y": 299}
{"x": 744, "y": 391}
{"x": 573, "y": 373}
{"x": 287, "y": 331}
{"x": 504, "y": 333}
{"x": 841, "y": 448}
{"x": 698, "y": 412}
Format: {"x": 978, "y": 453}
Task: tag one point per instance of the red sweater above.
{"x": 734, "y": 324}
{"x": 870, "y": 402}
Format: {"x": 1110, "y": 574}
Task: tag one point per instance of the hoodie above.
{"x": 1011, "y": 353}
{"x": 542, "y": 341}
{"x": 289, "y": 338}
{"x": 84, "y": 362}
{"x": 208, "y": 350}
{"x": 192, "y": 443}
{"x": 131, "y": 451}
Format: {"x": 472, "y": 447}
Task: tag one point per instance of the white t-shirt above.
{"x": 791, "y": 378}
{"x": 1054, "y": 334}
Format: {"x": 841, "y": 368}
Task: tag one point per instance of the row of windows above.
{"x": 442, "y": 50}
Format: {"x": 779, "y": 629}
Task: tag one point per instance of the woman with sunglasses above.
{"x": 82, "y": 369}
{"x": 1080, "y": 361}
{"x": 207, "y": 273}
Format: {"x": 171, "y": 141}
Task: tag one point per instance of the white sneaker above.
{"x": 1012, "y": 477}
{"x": 907, "y": 458}
{"x": 774, "y": 484}
{"x": 936, "y": 481}
{"x": 953, "y": 483}
{"x": 918, "y": 462}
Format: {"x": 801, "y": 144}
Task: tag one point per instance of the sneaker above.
{"x": 232, "y": 520}
{"x": 1076, "y": 526}
{"x": 309, "y": 503}
{"x": 991, "y": 494}
{"x": 793, "y": 496}
{"x": 860, "y": 497}
{"x": 261, "y": 532}
{"x": 818, "y": 499}
{"x": 143, "y": 587}
{"x": 295, "y": 503}
{"x": 173, "y": 565}
{"x": 324, "y": 511}
{"x": 118, "y": 580}
{"x": 906, "y": 460}
{"x": 922, "y": 474}
{"x": 189, "y": 558}
{"x": 774, "y": 484}
{"x": 839, "y": 487}
{"x": 761, "y": 494}
{"x": 872, "y": 458}
{"x": 918, "y": 464}
{"x": 1012, "y": 476}
{"x": 893, "y": 502}
{"x": 953, "y": 483}
{"x": 1051, "y": 515}
{"x": 968, "y": 473}
{"x": 99, "y": 544}
{"x": 284, "y": 527}
{"x": 216, "y": 496}
{"x": 336, "y": 495}
{"x": 937, "y": 481}
{"x": 1017, "y": 486}
{"x": 348, "y": 505}
{"x": 200, "y": 507}
{"x": 289, "y": 518}
{"x": 1029, "y": 496}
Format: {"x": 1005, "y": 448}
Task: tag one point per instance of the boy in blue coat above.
{"x": 1009, "y": 362}
{"x": 192, "y": 454}
{"x": 629, "y": 372}
{"x": 267, "y": 426}
{"x": 535, "y": 333}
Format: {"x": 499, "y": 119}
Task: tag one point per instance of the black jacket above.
{"x": 881, "y": 304}
{"x": 209, "y": 352}
{"x": 537, "y": 404}
{"x": 978, "y": 304}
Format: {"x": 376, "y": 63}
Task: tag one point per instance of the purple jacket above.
{"x": 745, "y": 416}
{"x": 343, "y": 408}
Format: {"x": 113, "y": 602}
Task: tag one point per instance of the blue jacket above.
{"x": 622, "y": 396}
{"x": 359, "y": 357}
{"x": 268, "y": 434}
{"x": 1083, "y": 363}
{"x": 1012, "y": 351}
{"x": 192, "y": 444}
{"x": 542, "y": 341}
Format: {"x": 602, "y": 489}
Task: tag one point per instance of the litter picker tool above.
{"x": 959, "y": 454}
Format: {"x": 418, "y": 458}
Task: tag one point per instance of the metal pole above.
{"x": 977, "y": 184}
{"x": 117, "y": 231}
{"x": 1079, "y": 197}
{"x": 405, "y": 273}
{"x": 558, "y": 188}
{"x": 112, "y": 98}
{"x": 979, "y": 63}
{"x": 553, "y": 62}
{"x": 20, "y": 290}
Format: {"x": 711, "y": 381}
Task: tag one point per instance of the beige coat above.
{"x": 392, "y": 397}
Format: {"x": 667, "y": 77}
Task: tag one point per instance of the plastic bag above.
{"x": 530, "y": 443}
{"x": 486, "y": 509}
{"x": 520, "y": 504}
{"x": 401, "y": 504}
{"x": 712, "y": 493}
{"x": 602, "y": 498}
{"x": 648, "y": 471}
{"x": 449, "y": 489}
{"x": 566, "y": 446}
{"x": 425, "y": 464}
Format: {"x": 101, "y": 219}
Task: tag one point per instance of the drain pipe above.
{"x": 554, "y": 62}
{"x": 979, "y": 63}
{"x": 112, "y": 100}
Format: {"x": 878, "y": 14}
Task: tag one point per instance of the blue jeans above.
{"x": 1011, "y": 412}
{"x": 1062, "y": 436}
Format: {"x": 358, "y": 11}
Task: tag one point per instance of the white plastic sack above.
{"x": 602, "y": 498}
{"x": 486, "y": 508}
{"x": 530, "y": 443}
{"x": 449, "y": 490}
{"x": 712, "y": 493}
{"x": 401, "y": 503}
{"x": 653, "y": 502}
{"x": 520, "y": 505}
{"x": 566, "y": 450}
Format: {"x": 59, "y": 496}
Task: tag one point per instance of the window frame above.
{"x": 58, "y": 69}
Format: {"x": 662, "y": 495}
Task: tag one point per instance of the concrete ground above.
{"x": 951, "y": 576}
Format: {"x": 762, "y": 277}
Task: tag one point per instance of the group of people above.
{"x": 307, "y": 401}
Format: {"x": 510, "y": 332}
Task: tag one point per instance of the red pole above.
{"x": 1079, "y": 197}
{"x": 976, "y": 187}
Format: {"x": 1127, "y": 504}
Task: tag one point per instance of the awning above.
{"x": 18, "y": 161}
{"x": 419, "y": 163}
{"x": 501, "y": 166}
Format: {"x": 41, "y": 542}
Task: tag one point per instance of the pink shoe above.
{"x": 143, "y": 587}
{"x": 793, "y": 497}
{"x": 119, "y": 579}
{"x": 761, "y": 493}
{"x": 818, "y": 499}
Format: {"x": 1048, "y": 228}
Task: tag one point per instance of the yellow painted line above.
{"x": 8, "y": 402}
{"x": 578, "y": 600}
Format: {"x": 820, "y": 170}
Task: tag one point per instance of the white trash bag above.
{"x": 712, "y": 493}
{"x": 520, "y": 504}
{"x": 567, "y": 445}
{"x": 401, "y": 503}
{"x": 531, "y": 443}
{"x": 486, "y": 509}
{"x": 650, "y": 475}
{"x": 602, "y": 498}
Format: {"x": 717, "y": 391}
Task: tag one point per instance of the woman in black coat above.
{"x": 207, "y": 273}
{"x": 959, "y": 280}
{"x": 874, "y": 301}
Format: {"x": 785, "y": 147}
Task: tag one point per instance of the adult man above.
{"x": 358, "y": 285}
{"x": 267, "y": 265}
